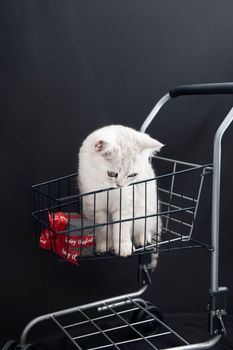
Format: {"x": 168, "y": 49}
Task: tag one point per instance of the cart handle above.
{"x": 202, "y": 89}
{"x": 193, "y": 89}
{"x": 205, "y": 89}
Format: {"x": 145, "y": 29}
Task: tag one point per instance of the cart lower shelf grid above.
{"x": 123, "y": 322}
{"x": 114, "y": 328}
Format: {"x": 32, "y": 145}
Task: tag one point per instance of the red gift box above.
{"x": 64, "y": 237}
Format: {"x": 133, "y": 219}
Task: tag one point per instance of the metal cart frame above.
{"x": 217, "y": 305}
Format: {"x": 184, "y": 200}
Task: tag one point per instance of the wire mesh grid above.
{"x": 129, "y": 324}
{"x": 155, "y": 214}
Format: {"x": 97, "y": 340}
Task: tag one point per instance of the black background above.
{"x": 68, "y": 67}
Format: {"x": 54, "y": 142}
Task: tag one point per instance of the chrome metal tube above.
{"x": 154, "y": 111}
{"x": 205, "y": 345}
{"x": 216, "y": 199}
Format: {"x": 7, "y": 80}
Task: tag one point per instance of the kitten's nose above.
{"x": 119, "y": 185}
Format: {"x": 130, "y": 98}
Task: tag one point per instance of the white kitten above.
{"x": 114, "y": 157}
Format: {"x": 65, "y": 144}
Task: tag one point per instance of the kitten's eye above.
{"x": 132, "y": 175}
{"x": 112, "y": 174}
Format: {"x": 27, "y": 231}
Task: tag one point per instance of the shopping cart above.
{"x": 128, "y": 320}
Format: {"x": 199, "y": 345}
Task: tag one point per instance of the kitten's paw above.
{"x": 141, "y": 241}
{"x": 101, "y": 247}
{"x": 126, "y": 249}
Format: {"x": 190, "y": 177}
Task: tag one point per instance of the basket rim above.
{"x": 192, "y": 167}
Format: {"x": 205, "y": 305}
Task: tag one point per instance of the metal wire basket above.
{"x": 178, "y": 185}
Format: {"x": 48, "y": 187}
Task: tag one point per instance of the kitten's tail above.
{"x": 157, "y": 238}
{"x": 154, "y": 261}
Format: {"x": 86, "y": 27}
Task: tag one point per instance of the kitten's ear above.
{"x": 104, "y": 148}
{"x": 151, "y": 144}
